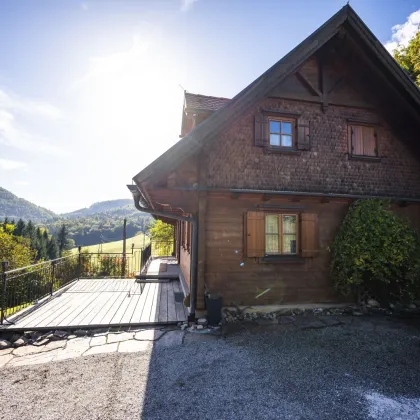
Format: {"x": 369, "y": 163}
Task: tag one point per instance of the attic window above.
{"x": 282, "y": 132}
{"x": 363, "y": 140}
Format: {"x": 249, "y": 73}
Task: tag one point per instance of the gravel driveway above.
{"x": 362, "y": 369}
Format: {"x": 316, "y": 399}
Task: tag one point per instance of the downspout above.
{"x": 137, "y": 196}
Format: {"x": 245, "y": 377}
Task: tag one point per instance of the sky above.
{"x": 91, "y": 91}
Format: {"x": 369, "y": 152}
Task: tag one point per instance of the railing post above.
{"x": 52, "y": 278}
{"x": 4, "y": 266}
{"x": 79, "y": 263}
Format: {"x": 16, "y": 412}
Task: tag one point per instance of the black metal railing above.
{"x": 162, "y": 249}
{"x": 24, "y": 287}
{"x": 145, "y": 255}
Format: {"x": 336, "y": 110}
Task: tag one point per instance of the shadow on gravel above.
{"x": 365, "y": 368}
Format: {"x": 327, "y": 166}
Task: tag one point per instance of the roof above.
{"x": 209, "y": 129}
{"x": 203, "y": 102}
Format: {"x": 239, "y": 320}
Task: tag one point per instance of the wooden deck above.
{"x": 109, "y": 302}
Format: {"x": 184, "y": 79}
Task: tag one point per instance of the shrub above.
{"x": 376, "y": 251}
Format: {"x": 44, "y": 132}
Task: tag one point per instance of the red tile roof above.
{"x": 205, "y": 103}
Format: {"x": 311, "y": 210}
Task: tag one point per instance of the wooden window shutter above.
{"x": 369, "y": 141}
{"x": 309, "y": 235}
{"x": 261, "y": 130}
{"x": 303, "y": 135}
{"x": 254, "y": 234}
{"x": 356, "y": 133}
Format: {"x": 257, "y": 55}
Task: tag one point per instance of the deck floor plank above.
{"x": 102, "y": 313}
{"x": 62, "y": 318}
{"x": 108, "y": 302}
{"x": 147, "y": 308}
{"x": 163, "y": 305}
{"x": 137, "y": 313}
{"x": 171, "y": 302}
{"x": 154, "y": 310}
{"x": 134, "y": 305}
{"x": 100, "y": 301}
{"x": 179, "y": 306}
{"x": 130, "y": 295}
{"x": 82, "y": 314}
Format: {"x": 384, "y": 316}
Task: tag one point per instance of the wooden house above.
{"x": 258, "y": 185}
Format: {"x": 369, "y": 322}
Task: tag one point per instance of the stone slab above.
{"x": 132, "y": 346}
{"x": 116, "y": 338}
{"x": 78, "y": 344}
{"x": 5, "y": 359}
{"x": 6, "y": 351}
{"x": 329, "y": 321}
{"x": 27, "y": 350}
{"x": 33, "y": 359}
{"x": 149, "y": 335}
{"x": 98, "y": 341}
{"x": 107, "y": 348}
{"x": 68, "y": 354}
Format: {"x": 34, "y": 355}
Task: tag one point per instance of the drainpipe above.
{"x": 137, "y": 196}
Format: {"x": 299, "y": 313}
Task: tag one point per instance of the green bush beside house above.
{"x": 376, "y": 253}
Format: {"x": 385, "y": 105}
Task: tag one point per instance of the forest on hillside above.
{"x": 99, "y": 228}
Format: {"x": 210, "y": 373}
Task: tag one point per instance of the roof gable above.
{"x": 204, "y": 103}
{"x": 344, "y": 20}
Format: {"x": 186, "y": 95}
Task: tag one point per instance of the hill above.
{"x": 103, "y": 207}
{"x": 14, "y": 207}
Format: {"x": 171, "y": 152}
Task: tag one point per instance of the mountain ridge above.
{"x": 14, "y": 207}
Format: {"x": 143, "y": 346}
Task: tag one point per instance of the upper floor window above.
{"x": 282, "y": 132}
{"x": 362, "y": 140}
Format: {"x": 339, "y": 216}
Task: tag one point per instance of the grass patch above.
{"x": 117, "y": 246}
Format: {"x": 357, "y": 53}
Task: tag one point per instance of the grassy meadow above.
{"x": 117, "y": 246}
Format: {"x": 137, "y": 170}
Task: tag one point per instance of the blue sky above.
{"x": 89, "y": 90}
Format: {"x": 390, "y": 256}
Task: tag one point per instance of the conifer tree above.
{"x": 62, "y": 239}
{"x": 52, "y": 249}
{"x": 20, "y": 228}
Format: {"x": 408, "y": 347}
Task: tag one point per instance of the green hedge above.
{"x": 376, "y": 251}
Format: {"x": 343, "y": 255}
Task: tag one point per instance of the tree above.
{"x": 15, "y": 250}
{"x": 161, "y": 232}
{"x": 53, "y": 251}
{"x": 29, "y": 232}
{"x": 41, "y": 245}
{"x": 62, "y": 239}
{"x": 409, "y": 58}
{"x": 20, "y": 228}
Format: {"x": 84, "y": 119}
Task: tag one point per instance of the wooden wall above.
{"x": 307, "y": 281}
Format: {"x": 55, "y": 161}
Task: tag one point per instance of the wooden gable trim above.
{"x": 209, "y": 129}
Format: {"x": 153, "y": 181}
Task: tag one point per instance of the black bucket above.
{"x": 214, "y": 309}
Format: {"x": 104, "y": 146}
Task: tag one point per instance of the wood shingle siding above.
{"x": 235, "y": 162}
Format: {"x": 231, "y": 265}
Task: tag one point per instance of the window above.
{"x": 281, "y": 234}
{"x": 362, "y": 140}
{"x": 268, "y": 234}
{"x": 281, "y": 132}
